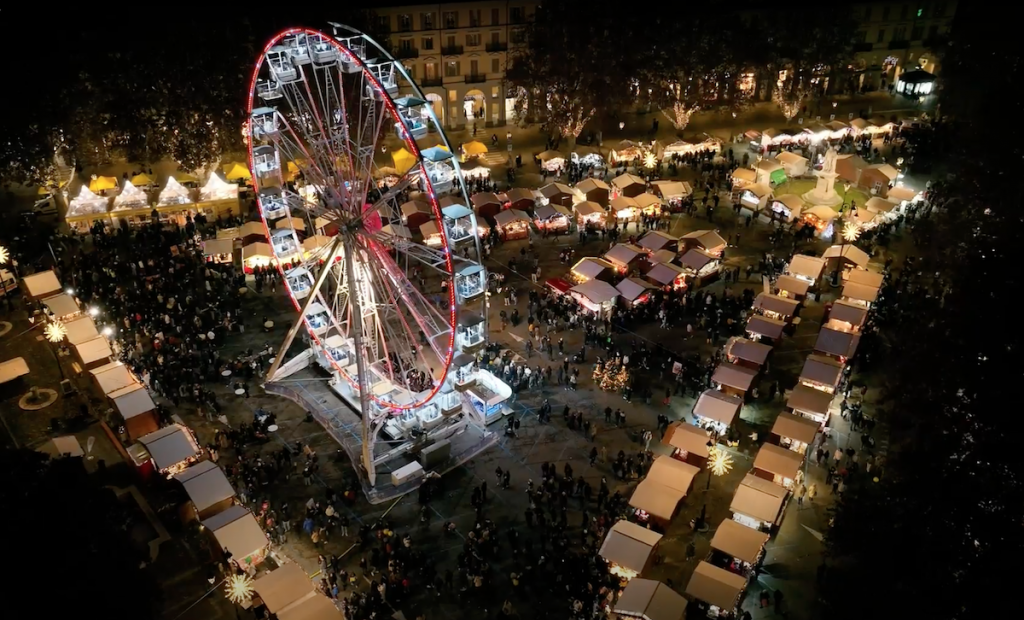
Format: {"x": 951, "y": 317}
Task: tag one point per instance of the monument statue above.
{"x": 824, "y": 192}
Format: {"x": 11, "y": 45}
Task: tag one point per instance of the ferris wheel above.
{"x": 381, "y": 261}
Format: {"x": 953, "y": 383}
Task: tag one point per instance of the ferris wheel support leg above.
{"x": 301, "y": 321}
{"x": 369, "y": 429}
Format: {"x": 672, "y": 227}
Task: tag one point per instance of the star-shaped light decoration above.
{"x": 720, "y": 462}
{"x": 851, "y": 232}
{"x": 55, "y": 331}
{"x": 651, "y": 160}
{"x": 4, "y": 255}
{"x": 239, "y": 589}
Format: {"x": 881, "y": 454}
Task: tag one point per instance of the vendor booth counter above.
{"x": 794, "y": 432}
{"x": 167, "y": 451}
{"x": 629, "y": 549}
{"x": 236, "y": 531}
{"x": 759, "y": 503}
{"x": 689, "y": 443}
{"x": 208, "y": 488}
{"x": 715, "y": 589}
{"x": 777, "y": 464}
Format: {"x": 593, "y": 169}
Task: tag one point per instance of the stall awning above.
{"x": 206, "y": 485}
{"x": 80, "y": 330}
{"x": 317, "y": 607}
{"x": 656, "y": 499}
{"x": 716, "y": 586}
{"x": 657, "y": 240}
{"x": 696, "y": 259}
{"x": 758, "y": 498}
{"x": 739, "y": 541}
{"x": 591, "y": 267}
{"x": 238, "y": 531}
{"x": 859, "y": 292}
{"x": 715, "y": 405}
{"x": 848, "y": 252}
{"x": 623, "y": 253}
{"x": 804, "y": 398}
{"x": 62, "y": 305}
{"x": 763, "y": 326}
{"x": 94, "y": 350}
{"x": 279, "y": 588}
{"x": 748, "y": 350}
{"x": 41, "y": 284}
{"x": 631, "y": 288}
{"x": 651, "y": 600}
{"x": 835, "y": 342}
{"x": 734, "y": 376}
{"x": 664, "y": 274}
{"x": 587, "y": 207}
{"x": 822, "y": 369}
{"x": 795, "y": 427}
{"x": 112, "y": 377}
{"x": 629, "y": 545}
{"x": 646, "y": 200}
{"x": 597, "y": 291}
{"x": 778, "y": 461}
{"x": 216, "y": 247}
{"x": 809, "y": 267}
{"x": 790, "y": 284}
{"x": 12, "y": 369}
{"x": 132, "y": 400}
{"x": 672, "y": 473}
{"x": 688, "y": 438}
{"x": 509, "y": 216}
{"x": 773, "y": 303}
{"x": 170, "y": 445}
{"x": 847, "y": 312}
{"x": 745, "y": 175}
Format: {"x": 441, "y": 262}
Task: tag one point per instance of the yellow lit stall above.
{"x": 85, "y": 210}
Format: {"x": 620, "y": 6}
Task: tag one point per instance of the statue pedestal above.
{"x": 824, "y": 193}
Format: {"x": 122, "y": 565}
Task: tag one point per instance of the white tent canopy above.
{"x": 86, "y": 203}
{"x": 217, "y": 188}
{"x": 206, "y": 485}
{"x": 130, "y": 197}
{"x": 174, "y": 193}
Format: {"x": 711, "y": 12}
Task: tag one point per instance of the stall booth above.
{"x": 792, "y": 164}
{"x": 761, "y": 328}
{"x": 715, "y": 410}
{"x": 167, "y": 451}
{"x": 667, "y": 275}
{"x": 849, "y": 167}
{"x": 249, "y": 232}
{"x": 208, "y": 488}
{"x": 236, "y": 531}
{"x": 648, "y": 204}
{"x": 741, "y": 177}
{"x": 859, "y": 294}
{"x": 521, "y": 198}
{"x": 551, "y": 161}
{"x": 650, "y": 600}
{"x": 590, "y": 215}
{"x": 634, "y": 291}
{"x": 700, "y": 267}
{"x": 594, "y": 190}
{"x": 629, "y": 549}
{"x": 512, "y": 224}
{"x": 596, "y": 296}
{"x": 41, "y": 285}
{"x": 769, "y": 172}
{"x": 283, "y": 587}
{"x": 672, "y": 192}
{"x": 877, "y": 179}
{"x": 626, "y": 151}
{"x": 792, "y": 287}
{"x": 716, "y": 591}
{"x": 431, "y": 234}
{"x": 112, "y": 377}
{"x": 591, "y": 268}
{"x": 839, "y": 129}
{"x": 755, "y": 198}
{"x": 737, "y": 548}
{"x": 85, "y": 210}
{"x": 733, "y": 379}
{"x": 809, "y": 403}
{"x": 131, "y": 206}
{"x": 806, "y": 267}
{"x": 777, "y": 464}
{"x": 845, "y": 257}
{"x": 846, "y": 316}
{"x": 485, "y": 204}
{"x": 625, "y": 257}
{"x": 784, "y": 209}
{"x": 588, "y": 156}
{"x": 136, "y": 407}
{"x": 689, "y": 443}
{"x": 835, "y": 343}
{"x": 316, "y": 607}
{"x": 794, "y": 432}
{"x": 903, "y": 195}
{"x": 624, "y": 208}
{"x": 552, "y": 219}
{"x": 916, "y": 83}
{"x": 821, "y": 218}
{"x": 747, "y": 353}
{"x": 219, "y": 250}
{"x": 557, "y": 194}
{"x": 256, "y": 255}
{"x": 558, "y": 286}
{"x": 628, "y": 185}
{"x": 662, "y": 257}
{"x": 758, "y": 503}
{"x": 66, "y": 446}
{"x": 62, "y": 307}
{"x": 708, "y": 240}
{"x": 81, "y": 330}
{"x": 416, "y": 213}
{"x": 93, "y": 353}
{"x": 13, "y": 369}
{"x": 656, "y": 240}
{"x": 656, "y": 499}
{"x": 821, "y": 372}
{"x": 776, "y": 308}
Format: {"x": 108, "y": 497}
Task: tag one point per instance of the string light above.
{"x": 681, "y": 114}
{"x": 239, "y": 589}
{"x": 719, "y": 462}
{"x": 851, "y": 232}
{"x": 55, "y": 331}
{"x": 790, "y": 105}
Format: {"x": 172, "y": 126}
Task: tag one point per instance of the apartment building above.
{"x": 457, "y": 53}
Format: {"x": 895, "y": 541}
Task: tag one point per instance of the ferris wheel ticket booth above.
{"x": 383, "y": 348}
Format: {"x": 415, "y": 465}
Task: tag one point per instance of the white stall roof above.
{"x": 822, "y": 369}
{"x": 170, "y": 445}
{"x": 836, "y": 342}
{"x": 774, "y": 303}
{"x": 707, "y": 239}
{"x": 859, "y": 292}
{"x": 696, "y": 259}
{"x": 865, "y": 278}
{"x": 252, "y": 228}
{"x": 238, "y": 531}
{"x": 739, "y": 541}
{"x": 316, "y": 607}
{"x": 589, "y": 185}
{"x": 748, "y": 350}
{"x": 778, "y": 461}
{"x": 657, "y": 240}
{"x": 258, "y": 249}
{"x": 206, "y": 485}
{"x": 216, "y": 247}
{"x": 734, "y": 376}
{"x": 847, "y": 312}
{"x": 629, "y": 545}
{"x": 656, "y": 499}
{"x": 625, "y": 180}
{"x": 717, "y": 405}
{"x": 588, "y": 207}
{"x": 758, "y": 498}
{"x": 849, "y": 252}
{"x": 745, "y": 175}
{"x": 94, "y": 350}
{"x": 689, "y": 438}
{"x": 664, "y": 273}
{"x": 672, "y": 473}
{"x": 716, "y": 586}
{"x": 623, "y": 253}
{"x": 112, "y": 377}
{"x": 792, "y": 284}
{"x": 68, "y": 445}
{"x": 132, "y": 401}
{"x": 62, "y": 305}
{"x": 597, "y": 291}
{"x": 12, "y": 369}
{"x": 795, "y": 427}
{"x": 42, "y": 283}
{"x": 508, "y": 216}
{"x": 280, "y": 588}
{"x": 763, "y": 326}
{"x": 81, "y": 330}
{"x": 807, "y": 266}
{"x": 632, "y": 288}
{"x": 591, "y": 267}
{"x": 651, "y": 600}
{"x": 804, "y": 398}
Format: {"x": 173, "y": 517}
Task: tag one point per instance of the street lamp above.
{"x": 719, "y": 464}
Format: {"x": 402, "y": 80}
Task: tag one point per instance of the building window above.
{"x": 427, "y": 21}
{"x": 384, "y": 23}
{"x": 404, "y": 23}
{"x": 450, "y": 41}
{"x": 496, "y": 38}
{"x": 885, "y": 13}
{"x": 453, "y": 96}
{"x": 881, "y": 36}
{"x": 495, "y": 17}
{"x": 474, "y": 67}
{"x": 451, "y": 68}
{"x": 430, "y": 71}
{"x": 405, "y": 45}
{"x": 516, "y": 15}
{"x": 495, "y": 65}
{"x": 427, "y": 43}
{"x": 473, "y": 40}
{"x": 518, "y": 36}
{"x": 916, "y": 32}
{"x": 474, "y": 18}
{"x": 451, "y": 19}
{"x": 900, "y": 34}
{"x": 494, "y": 92}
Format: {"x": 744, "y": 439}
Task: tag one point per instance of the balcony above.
{"x": 404, "y": 53}
{"x": 476, "y": 78}
{"x": 430, "y": 81}
{"x": 863, "y": 47}
{"x": 497, "y": 47}
{"x": 934, "y": 43}
{"x": 899, "y": 45}
{"x": 451, "y": 50}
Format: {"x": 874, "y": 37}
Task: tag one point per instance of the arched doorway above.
{"x": 437, "y": 103}
{"x": 474, "y": 106}
{"x": 514, "y": 93}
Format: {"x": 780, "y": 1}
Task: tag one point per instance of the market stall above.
{"x": 596, "y": 296}
{"x": 701, "y": 267}
{"x": 170, "y": 449}
{"x": 551, "y": 161}
{"x": 737, "y": 548}
{"x": 761, "y": 328}
{"x": 846, "y": 316}
{"x": 715, "y": 410}
{"x": 416, "y": 213}
{"x": 689, "y": 443}
{"x": 13, "y": 369}
{"x": 903, "y": 195}
{"x": 280, "y": 588}
{"x": 131, "y": 201}
{"x": 137, "y": 409}
{"x": 839, "y": 129}
{"x": 776, "y": 307}
{"x": 733, "y": 379}
{"x": 657, "y": 240}
{"x": 821, "y": 218}
{"x": 626, "y": 151}
{"x": 747, "y": 353}
{"x": 809, "y": 403}
{"x": 629, "y": 549}
{"x": 625, "y": 257}
{"x": 741, "y": 177}
{"x": 624, "y": 208}
{"x": 877, "y": 179}
{"x": 521, "y": 198}
{"x": 859, "y": 294}
{"x": 792, "y": 287}
{"x": 648, "y": 204}
{"x": 512, "y": 224}
{"x": 586, "y": 156}
{"x": 849, "y": 167}
{"x": 591, "y": 268}
{"x": 594, "y": 190}
{"x": 650, "y": 600}
{"x": 219, "y": 250}
{"x": 777, "y": 464}
{"x": 708, "y": 240}
{"x": 553, "y": 218}
{"x": 93, "y": 353}
{"x": 61, "y": 307}
{"x": 673, "y": 193}
{"x": 657, "y": 497}
{"x": 845, "y": 256}
{"x": 41, "y": 285}
{"x": 237, "y": 532}
{"x": 316, "y": 607}
{"x": 473, "y": 149}
{"x": 821, "y": 372}
{"x": 769, "y": 172}
{"x": 209, "y": 490}
{"x": 590, "y": 215}
{"x": 628, "y": 185}
{"x": 667, "y": 275}
{"x": 217, "y": 188}
{"x": 634, "y": 292}
{"x": 792, "y": 164}
{"x": 431, "y": 234}
{"x": 784, "y": 208}
{"x": 806, "y": 267}
{"x": 557, "y": 194}
{"x": 112, "y": 377}
{"x": 759, "y": 503}
{"x": 838, "y": 344}
{"x": 174, "y": 193}
{"x": 794, "y": 432}
{"x": 81, "y": 330}
{"x": 86, "y": 209}
{"x": 485, "y": 204}
{"x": 662, "y": 257}
{"x": 475, "y": 170}
{"x": 716, "y": 590}
{"x": 256, "y": 255}
{"x": 66, "y": 446}
{"x": 755, "y": 197}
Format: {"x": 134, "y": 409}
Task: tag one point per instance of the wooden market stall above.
{"x": 431, "y": 234}
{"x": 794, "y": 432}
{"x": 835, "y": 343}
{"x": 859, "y": 294}
{"x": 648, "y": 204}
{"x": 512, "y": 224}
{"x": 708, "y": 240}
{"x": 316, "y": 607}
{"x": 594, "y": 190}
{"x": 13, "y": 369}
{"x": 846, "y": 316}
{"x": 597, "y": 296}
{"x": 747, "y": 353}
{"x": 667, "y": 275}
{"x": 208, "y": 488}
{"x": 741, "y": 177}
{"x": 629, "y": 549}
{"x": 763, "y": 328}
{"x": 776, "y": 307}
{"x": 777, "y": 464}
{"x": 657, "y": 240}
{"x": 809, "y": 403}
{"x": 281, "y": 588}
{"x": 219, "y": 250}
{"x": 793, "y": 164}
{"x": 821, "y": 372}
{"x": 878, "y": 178}
{"x": 849, "y": 168}
{"x": 689, "y": 443}
{"x": 701, "y": 267}
{"x": 792, "y": 287}
{"x": 551, "y": 161}
{"x": 634, "y": 291}
{"x": 755, "y": 197}
{"x": 81, "y": 330}
{"x": 650, "y": 600}
{"x": 557, "y": 194}
{"x": 784, "y": 208}
{"x": 93, "y": 353}
{"x": 845, "y": 256}
{"x": 552, "y": 218}
{"x": 521, "y": 198}
{"x": 112, "y": 377}
{"x": 759, "y": 503}
{"x": 628, "y": 185}
{"x": 62, "y": 447}
{"x": 257, "y": 255}
{"x": 672, "y": 192}
{"x": 733, "y": 379}
{"x": 416, "y": 213}
{"x": 806, "y": 267}
{"x": 486, "y": 204}
{"x": 715, "y": 410}
{"x": 590, "y": 214}
{"x": 590, "y": 268}
{"x": 625, "y": 257}
{"x": 136, "y": 407}
{"x": 716, "y": 590}
{"x": 236, "y": 531}
{"x": 168, "y": 451}
{"x": 769, "y": 172}
{"x": 624, "y": 208}
{"x": 656, "y": 499}
{"x": 41, "y": 285}
{"x": 902, "y": 195}
{"x": 62, "y": 307}
{"x": 737, "y": 548}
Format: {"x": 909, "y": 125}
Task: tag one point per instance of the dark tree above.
{"x": 67, "y": 549}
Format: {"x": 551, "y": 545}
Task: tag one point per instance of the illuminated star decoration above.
{"x": 720, "y": 462}
{"x": 650, "y": 160}
{"x": 55, "y": 331}
{"x": 4, "y": 255}
{"x": 239, "y": 589}
{"x": 851, "y": 232}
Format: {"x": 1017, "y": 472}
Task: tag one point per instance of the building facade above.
{"x": 458, "y": 53}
